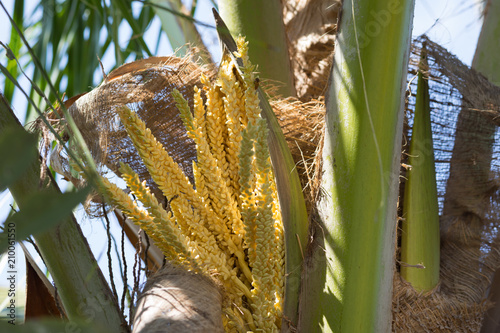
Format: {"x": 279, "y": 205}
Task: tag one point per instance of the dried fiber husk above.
{"x": 311, "y": 27}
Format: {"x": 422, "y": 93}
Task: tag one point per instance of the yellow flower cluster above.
{"x": 228, "y": 225}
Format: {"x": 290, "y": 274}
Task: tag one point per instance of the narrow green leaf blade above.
{"x": 420, "y": 236}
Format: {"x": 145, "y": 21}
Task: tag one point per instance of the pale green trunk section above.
{"x": 180, "y": 30}
{"x": 261, "y": 22}
{"x": 84, "y": 292}
{"x": 486, "y": 58}
{"x": 348, "y": 280}
{"x": 420, "y": 235}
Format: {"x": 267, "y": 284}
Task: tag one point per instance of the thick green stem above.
{"x": 261, "y": 22}
{"x": 347, "y": 286}
{"x": 486, "y": 59}
{"x": 79, "y": 281}
{"x": 420, "y": 236}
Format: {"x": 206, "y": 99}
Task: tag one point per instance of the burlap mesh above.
{"x": 464, "y": 114}
{"x": 145, "y": 87}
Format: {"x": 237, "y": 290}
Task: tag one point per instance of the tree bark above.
{"x": 175, "y": 300}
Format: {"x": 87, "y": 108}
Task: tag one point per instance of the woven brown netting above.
{"x": 145, "y": 87}
{"x": 464, "y": 113}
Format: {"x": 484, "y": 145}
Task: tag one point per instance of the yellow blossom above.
{"x": 228, "y": 225}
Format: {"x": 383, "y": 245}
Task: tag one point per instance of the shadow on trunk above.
{"x": 175, "y": 300}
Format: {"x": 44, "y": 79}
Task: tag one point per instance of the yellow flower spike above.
{"x": 184, "y": 112}
{"x": 233, "y": 120}
{"x": 248, "y": 69}
{"x": 199, "y": 181}
{"x": 164, "y": 223}
{"x": 239, "y": 88}
{"x": 226, "y": 207}
{"x": 165, "y": 172}
{"x": 117, "y": 197}
{"x": 264, "y": 268}
{"x": 250, "y": 95}
{"x": 216, "y": 129}
{"x": 252, "y": 104}
{"x": 205, "y": 81}
{"x": 242, "y": 53}
{"x": 199, "y": 113}
{"x": 247, "y": 186}
{"x": 246, "y": 157}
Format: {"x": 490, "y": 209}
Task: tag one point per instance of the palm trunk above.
{"x": 347, "y": 286}
{"x": 175, "y": 300}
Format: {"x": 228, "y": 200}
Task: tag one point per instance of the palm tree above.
{"x": 355, "y": 263}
